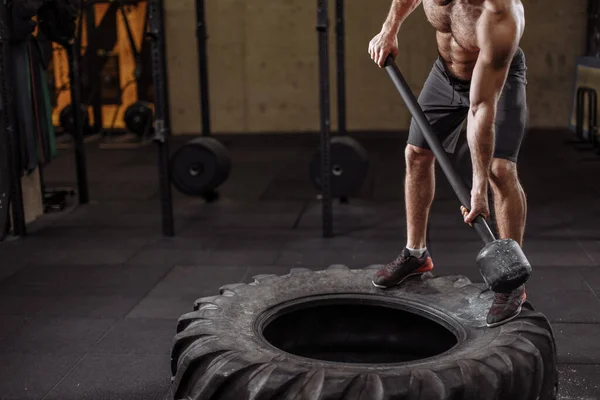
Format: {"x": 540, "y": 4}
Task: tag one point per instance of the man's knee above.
{"x": 503, "y": 176}
{"x": 418, "y": 157}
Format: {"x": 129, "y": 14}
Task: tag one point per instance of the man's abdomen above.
{"x": 459, "y": 62}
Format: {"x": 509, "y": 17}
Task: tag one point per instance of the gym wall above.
{"x": 263, "y": 64}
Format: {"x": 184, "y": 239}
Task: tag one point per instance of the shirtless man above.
{"x": 479, "y": 76}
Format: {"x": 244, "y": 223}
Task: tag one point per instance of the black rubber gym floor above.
{"x": 89, "y": 301}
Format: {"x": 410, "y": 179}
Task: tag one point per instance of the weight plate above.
{"x": 349, "y": 167}
{"x": 138, "y": 117}
{"x": 200, "y": 166}
{"x": 66, "y": 119}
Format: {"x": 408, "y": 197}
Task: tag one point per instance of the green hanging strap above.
{"x": 48, "y": 114}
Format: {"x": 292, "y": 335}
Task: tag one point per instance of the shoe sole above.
{"x": 400, "y": 281}
{"x": 504, "y": 321}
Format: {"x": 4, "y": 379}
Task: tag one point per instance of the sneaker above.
{"x": 506, "y": 307}
{"x": 401, "y": 268}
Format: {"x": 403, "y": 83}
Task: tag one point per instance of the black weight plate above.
{"x": 66, "y": 119}
{"x": 350, "y": 166}
{"x": 138, "y": 117}
{"x": 220, "y": 151}
{"x": 200, "y": 166}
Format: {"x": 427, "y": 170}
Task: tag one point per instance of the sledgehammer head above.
{"x": 503, "y": 265}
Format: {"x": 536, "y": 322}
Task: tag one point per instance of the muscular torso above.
{"x": 455, "y": 22}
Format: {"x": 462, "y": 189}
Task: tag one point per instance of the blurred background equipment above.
{"x": 200, "y": 166}
{"x": 116, "y": 76}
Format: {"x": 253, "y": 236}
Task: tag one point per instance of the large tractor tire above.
{"x": 331, "y": 335}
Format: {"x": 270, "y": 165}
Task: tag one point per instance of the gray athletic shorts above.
{"x": 445, "y": 101}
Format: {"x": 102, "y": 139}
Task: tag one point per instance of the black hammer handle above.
{"x": 458, "y": 185}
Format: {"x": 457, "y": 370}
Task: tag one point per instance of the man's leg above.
{"x": 509, "y": 196}
{"x": 510, "y": 203}
{"x": 419, "y": 190}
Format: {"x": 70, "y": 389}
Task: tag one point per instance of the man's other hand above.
{"x": 382, "y": 45}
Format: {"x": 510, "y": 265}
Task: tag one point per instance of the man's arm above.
{"x": 386, "y": 42}
{"x": 400, "y": 10}
{"x": 498, "y": 35}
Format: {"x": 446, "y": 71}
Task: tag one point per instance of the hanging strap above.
{"x": 137, "y": 56}
{"x": 41, "y": 145}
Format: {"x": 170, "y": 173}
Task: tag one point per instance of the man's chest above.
{"x": 457, "y": 17}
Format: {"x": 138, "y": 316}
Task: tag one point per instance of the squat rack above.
{"x": 162, "y": 131}
{"x": 162, "y": 122}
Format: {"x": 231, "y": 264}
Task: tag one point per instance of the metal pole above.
{"x": 80, "y": 161}
{"x": 201, "y": 37}
{"x": 593, "y": 118}
{"x": 592, "y": 28}
{"x": 458, "y": 185}
{"x": 10, "y": 141}
{"x": 322, "y": 29}
{"x": 162, "y": 123}
{"x": 579, "y": 116}
{"x": 94, "y": 76}
{"x": 341, "y": 67}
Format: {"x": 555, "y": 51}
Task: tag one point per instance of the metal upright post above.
{"x": 162, "y": 124}
{"x": 341, "y": 66}
{"x": 593, "y": 30}
{"x": 201, "y": 37}
{"x": 323, "y": 30}
{"x": 93, "y": 67}
{"x": 73, "y": 53}
{"x": 341, "y": 71}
